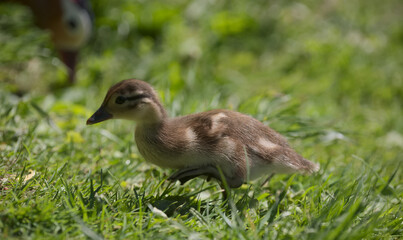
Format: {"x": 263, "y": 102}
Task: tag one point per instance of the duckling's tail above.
{"x": 308, "y": 167}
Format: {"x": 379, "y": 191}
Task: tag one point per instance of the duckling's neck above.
{"x": 156, "y": 124}
{"x": 161, "y": 110}
{"x": 148, "y": 132}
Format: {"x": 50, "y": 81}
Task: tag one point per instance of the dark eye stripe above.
{"x": 140, "y": 96}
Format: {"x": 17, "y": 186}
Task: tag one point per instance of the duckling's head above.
{"x": 132, "y": 100}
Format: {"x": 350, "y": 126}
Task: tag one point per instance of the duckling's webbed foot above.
{"x": 184, "y": 175}
{"x": 187, "y": 174}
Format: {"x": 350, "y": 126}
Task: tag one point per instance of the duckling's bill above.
{"x": 99, "y": 116}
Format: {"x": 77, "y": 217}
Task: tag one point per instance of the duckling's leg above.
{"x": 267, "y": 180}
{"x": 186, "y": 174}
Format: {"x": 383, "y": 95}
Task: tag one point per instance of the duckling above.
{"x": 70, "y": 25}
{"x": 221, "y": 144}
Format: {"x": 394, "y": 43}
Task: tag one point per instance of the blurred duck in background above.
{"x": 70, "y": 23}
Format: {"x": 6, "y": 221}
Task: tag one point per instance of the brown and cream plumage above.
{"x": 200, "y": 144}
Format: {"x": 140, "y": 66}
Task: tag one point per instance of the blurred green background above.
{"x": 327, "y": 74}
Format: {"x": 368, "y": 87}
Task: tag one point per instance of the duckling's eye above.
{"x": 120, "y": 100}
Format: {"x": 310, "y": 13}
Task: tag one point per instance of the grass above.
{"x": 325, "y": 74}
